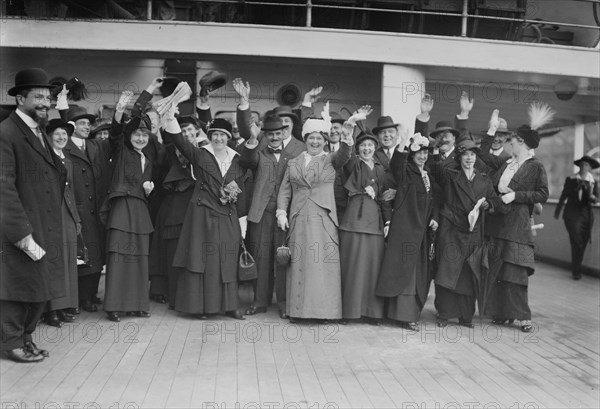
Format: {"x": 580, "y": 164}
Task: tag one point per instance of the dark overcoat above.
{"x": 91, "y": 178}
{"x": 32, "y": 183}
{"x": 411, "y": 213}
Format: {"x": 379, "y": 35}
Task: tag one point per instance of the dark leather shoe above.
{"x": 52, "y": 319}
{"x": 236, "y": 314}
{"x": 72, "y": 311}
{"x": 89, "y": 306}
{"x": 161, "y": 299}
{"x": 113, "y": 316}
{"x": 411, "y": 326}
{"x": 22, "y": 355}
{"x": 282, "y": 315}
{"x": 142, "y": 314}
{"x": 464, "y": 323}
{"x": 30, "y": 346}
{"x": 441, "y": 323}
{"x": 64, "y": 317}
{"x": 253, "y": 310}
{"x": 96, "y": 300}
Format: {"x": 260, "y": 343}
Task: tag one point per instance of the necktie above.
{"x": 40, "y": 136}
{"x": 274, "y": 150}
{"x": 444, "y": 156}
{"x": 143, "y": 159}
{"x": 82, "y": 146}
{"x": 388, "y": 152}
{"x": 332, "y": 148}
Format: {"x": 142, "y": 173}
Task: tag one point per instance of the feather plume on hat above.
{"x": 539, "y": 115}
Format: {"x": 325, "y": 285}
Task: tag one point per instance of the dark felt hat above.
{"x": 273, "y": 123}
{"x": 336, "y": 118}
{"x": 593, "y": 162}
{"x": 168, "y": 86}
{"x": 137, "y": 122}
{"x": 54, "y": 124}
{"x": 101, "y": 125}
{"x": 30, "y": 78}
{"x": 220, "y": 124}
{"x": 530, "y": 136}
{"x": 211, "y": 81}
{"x": 384, "y": 122}
{"x": 284, "y": 110}
{"x": 187, "y": 120}
{"x": 466, "y": 145}
{"x": 363, "y": 136}
{"x": 77, "y": 113}
{"x": 444, "y": 126}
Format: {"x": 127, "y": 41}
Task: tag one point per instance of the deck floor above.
{"x": 172, "y": 360}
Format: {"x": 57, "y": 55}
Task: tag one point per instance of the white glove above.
{"x": 433, "y": 224}
{"x": 370, "y": 191}
{"x": 282, "y": 222}
{"x": 508, "y": 198}
{"x": 61, "y": 99}
{"x": 148, "y": 187}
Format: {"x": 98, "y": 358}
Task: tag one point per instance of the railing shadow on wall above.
{"x": 513, "y": 20}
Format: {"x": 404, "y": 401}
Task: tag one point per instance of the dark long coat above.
{"x": 411, "y": 213}
{"x": 32, "y": 183}
{"x": 91, "y": 178}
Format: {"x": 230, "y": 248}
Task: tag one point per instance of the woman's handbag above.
{"x": 283, "y": 255}
{"x": 247, "y": 266}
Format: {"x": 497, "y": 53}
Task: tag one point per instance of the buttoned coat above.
{"x": 32, "y": 184}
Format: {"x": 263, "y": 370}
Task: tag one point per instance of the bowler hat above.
{"x": 211, "y": 81}
{"x": 363, "y": 136}
{"x": 593, "y": 162}
{"x": 444, "y": 126}
{"x": 77, "y": 113}
{"x": 285, "y": 110}
{"x": 101, "y": 125}
{"x": 530, "y": 136}
{"x": 54, "y": 124}
{"x": 30, "y": 78}
{"x": 273, "y": 123}
{"x": 384, "y": 122}
{"x": 220, "y": 124}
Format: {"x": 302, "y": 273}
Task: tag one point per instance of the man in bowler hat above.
{"x": 32, "y": 183}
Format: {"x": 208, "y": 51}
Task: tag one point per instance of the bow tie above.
{"x": 274, "y": 150}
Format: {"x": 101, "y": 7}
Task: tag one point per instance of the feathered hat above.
{"x": 539, "y": 115}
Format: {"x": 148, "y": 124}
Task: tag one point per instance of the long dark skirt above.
{"x": 458, "y": 302}
{"x": 71, "y": 299}
{"x": 200, "y": 293}
{"x": 580, "y": 230}
{"x": 361, "y": 256}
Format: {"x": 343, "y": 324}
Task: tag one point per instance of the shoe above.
{"x": 64, "y": 317}
{"x": 72, "y": 311}
{"x": 283, "y": 315}
{"x": 441, "y": 323}
{"x": 371, "y": 321}
{"x": 22, "y": 355}
{"x": 89, "y": 306}
{"x": 171, "y": 307}
{"x": 96, "y": 300}
{"x": 159, "y": 298}
{"x": 464, "y": 323}
{"x": 30, "y": 346}
{"x": 526, "y": 326}
{"x": 52, "y": 319}
{"x": 292, "y": 320}
{"x": 577, "y": 276}
{"x": 253, "y": 310}
{"x": 142, "y": 314}
{"x": 236, "y": 314}
{"x": 323, "y": 321}
{"x": 412, "y": 326}
{"x": 113, "y": 316}
{"x": 499, "y": 321}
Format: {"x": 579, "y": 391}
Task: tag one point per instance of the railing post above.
{"x": 149, "y": 9}
{"x": 465, "y": 12}
{"x": 308, "y": 13}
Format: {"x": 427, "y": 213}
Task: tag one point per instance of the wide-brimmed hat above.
{"x": 444, "y": 126}
{"x": 187, "y": 120}
{"x": 466, "y": 145}
{"x": 273, "y": 123}
{"x": 211, "y": 81}
{"x": 101, "y": 125}
{"x": 30, "y": 78}
{"x": 77, "y": 113}
{"x": 220, "y": 124}
{"x": 54, "y": 124}
{"x": 384, "y": 122}
{"x": 593, "y": 162}
{"x": 284, "y": 110}
{"x": 363, "y": 136}
{"x": 530, "y": 136}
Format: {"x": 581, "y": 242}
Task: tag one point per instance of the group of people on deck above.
{"x": 343, "y": 223}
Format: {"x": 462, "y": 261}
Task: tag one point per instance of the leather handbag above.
{"x": 247, "y": 266}
{"x": 283, "y": 255}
